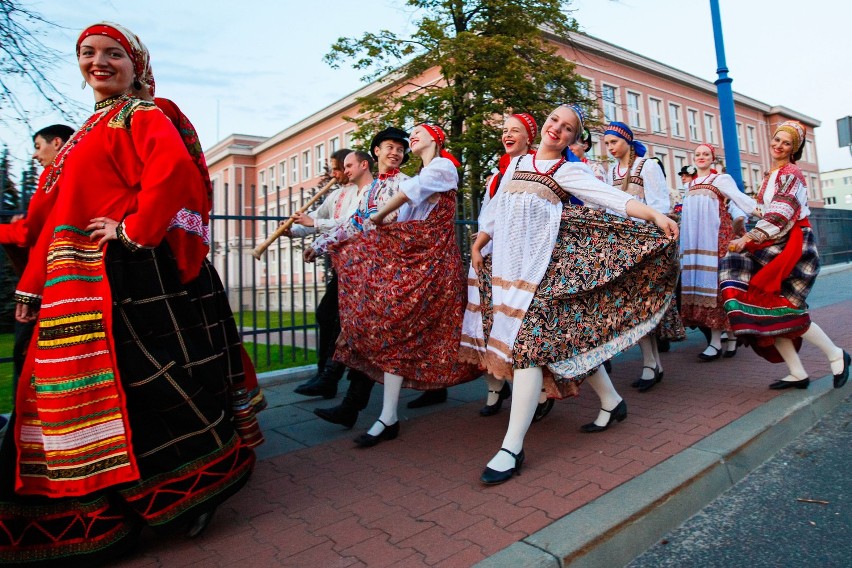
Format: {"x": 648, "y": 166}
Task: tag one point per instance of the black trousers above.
{"x": 328, "y": 319}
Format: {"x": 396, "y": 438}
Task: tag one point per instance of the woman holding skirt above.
{"x": 767, "y": 276}
{"x": 571, "y": 286}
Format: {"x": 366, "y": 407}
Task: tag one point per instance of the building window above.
{"x": 610, "y": 108}
{"x": 271, "y": 188}
{"x": 674, "y": 119}
{"x": 584, "y": 88}
{"x": 657, "y": 120}
{"x": 261, "y": 181}
{"x": 830, "y": 200}
{"x": 692, "y": 120}
{"x": 294, "y": 170}
{"x": 848, "y": 198}
{"x": 306, "y": 165}
{"x": 349, "y": 140}
{"x": 333, "y": 145}
{"x": 750, "y": 140}
{"x": 282, "y": 172}
{"x": 809, "y": 151}
{"x": 319, "y": 150}
{"x": 710, "y": 127}
{"x": 664, "y": 160}
{"x": 740, "y": 137}
{"x": 744, "y": 176}
{"x": 757, "y": 178}
{"x": 634, "y": 109}
{"x": 679, "y": 163}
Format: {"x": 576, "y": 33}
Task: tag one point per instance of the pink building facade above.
{"x": 669, "y": 110}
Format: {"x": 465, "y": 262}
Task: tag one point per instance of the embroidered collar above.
{"x": 101, "y": 105}
{"x": 388, "y": 174}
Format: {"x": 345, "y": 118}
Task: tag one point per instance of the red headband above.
{"x": 438, "y": 135}
{"x": 711, "y": 148}
{"x": 110, "y": 32}
{"x": 529, "y": 123}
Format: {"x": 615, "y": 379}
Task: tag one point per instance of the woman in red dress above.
{"x": 134, "y": 411}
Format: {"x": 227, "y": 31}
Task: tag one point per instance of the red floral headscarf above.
{"x": 131, "y": 43}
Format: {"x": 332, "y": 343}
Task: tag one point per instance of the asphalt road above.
{"x": 795, "y": 510}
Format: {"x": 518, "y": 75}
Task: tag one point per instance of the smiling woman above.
{"x": 134, "y": 409}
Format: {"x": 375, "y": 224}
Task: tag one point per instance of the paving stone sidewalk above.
{"x": 316, "y": 500}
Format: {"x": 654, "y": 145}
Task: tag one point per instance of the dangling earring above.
{"x": 83, "y": 84}
{"x": 137, "y": 85}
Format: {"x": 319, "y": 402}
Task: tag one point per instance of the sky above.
{"x": 255, "y": 67}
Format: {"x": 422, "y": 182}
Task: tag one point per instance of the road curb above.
{"x": 623, "y": 523}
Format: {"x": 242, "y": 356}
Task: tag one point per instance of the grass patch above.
{"x": 7, "y": 341}
{"x": 275, "y": 319}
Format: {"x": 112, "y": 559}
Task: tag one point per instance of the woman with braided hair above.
{"x": 642, "y": 179}
{"x": 769, "y": 271}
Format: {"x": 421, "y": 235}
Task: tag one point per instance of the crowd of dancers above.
{"x": 136, "y": 405}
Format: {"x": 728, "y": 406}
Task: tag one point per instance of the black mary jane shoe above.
{"x": 705, "y": 357}
{"x": 494, "y": 477}
{"x": 367, "y": 440}
{"x": 640, "y": 382}
{"x": 618, "y": 414}
{"x": 542, "y": 410}
{"x": 781, "y": 385}
{"x": 492, "y": 409}
{"x": 728, "y": 351}
{"x": 428, "y": 398}
{"x": 841, "y": 378}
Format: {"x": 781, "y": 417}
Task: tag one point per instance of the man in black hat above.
{"x": 389, "y": 148}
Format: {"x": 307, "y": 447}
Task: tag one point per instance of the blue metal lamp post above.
{"x": 726, "y": 101}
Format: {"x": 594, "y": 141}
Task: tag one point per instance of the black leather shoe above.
{"x": 494, "y": 477}
{"x": 542, "y": 410}
{"x": 638, "y": 383}
{"x": 618, "y": 414}
{"x": 343, "y": 415}
{"x": 728, "y": 351}
{"x": 307, "y": 384}
{"x": 781, "y": 385}
{"x": 366, "y": 440}
{"x": 841, "y": 378}
{"x": 704, "y": 357}
{"x": 325, "y": 384}
{"x": 428, "y": 398}
{"x": 492, "y": 409}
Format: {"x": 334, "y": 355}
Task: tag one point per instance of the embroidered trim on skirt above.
{"x": 401, "y": 291}
{"x": 608, "y": 284}
{"x": 180, "y": 369}
{"x": 758, "y": 318}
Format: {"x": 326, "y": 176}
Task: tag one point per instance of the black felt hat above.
{"x": 688, "y": 171}
{"x": 390, "y": 133}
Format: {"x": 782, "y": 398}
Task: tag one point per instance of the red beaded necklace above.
{"x": 549, "y": 172}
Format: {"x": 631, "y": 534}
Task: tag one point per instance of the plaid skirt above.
{"x": 758, "y": 318}
{"x": 181, "y": 370}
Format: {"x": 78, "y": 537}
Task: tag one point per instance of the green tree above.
{"x": 492, "y": 56}
{"x": 8, "y": 277}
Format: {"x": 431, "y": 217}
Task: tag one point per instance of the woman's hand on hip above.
{"x": 102, "y": 229}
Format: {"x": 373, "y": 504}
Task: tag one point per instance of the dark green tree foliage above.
{"x": 493, "y": 58}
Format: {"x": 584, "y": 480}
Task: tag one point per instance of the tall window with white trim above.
{"x": 294, "y": 170}
{"x": 710, "y": 128}
{"x": 610, "y": 108}
{"x": 319, "y": 152}
{"x": 675, "y": 120}
{"x": 750, "y": 140}
{"x": 306, "y": 165}
{"x": 658, "y": 124}
{"x": 634, "y": 110}
{"x": 692, "y": 121}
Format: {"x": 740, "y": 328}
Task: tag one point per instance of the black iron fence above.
{"x": 274, "y": 298}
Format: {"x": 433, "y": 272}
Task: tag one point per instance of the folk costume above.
{"x": 645, "y": 181}
{"x": 402, "y": 283}
{"x": 569, "y": 286}
{"x": 134, "y": 409}
{"x": 706, "y": 230}
{"x": 765, "y": 286}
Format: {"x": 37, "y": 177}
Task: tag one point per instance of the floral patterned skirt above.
{"x": 402, "y": 296}
{"x": 609, "y": 283}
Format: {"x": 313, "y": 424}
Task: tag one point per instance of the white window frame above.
{"x": 319, "y": 155}
{"x": 282, "y": 172}
{"x": 664, "y": 158}
{"x": 693, "y": 126}
{"x": 740, "y": 136}
{"x": 271, "y": 187}
{"x": 710, "y": 128}
{"x": 808, "y": 155}
{"x": 635, "y": 112}
{"x": 333, "y": 145}
{"x": 676, "y": 119}
{"x": 586, "y": 87}
{"x": 261, "y": 181}
{"x": 757, "y": 178}
{"x": 306, "y": 165}
{"x": 680, "y": 160}
{"x": 657, "y": 113}
{"x": 294, "y": 170}
{"x": 349, "y": 140}
{"x": 751, "y": 140}
{"x": 609, "y": 105}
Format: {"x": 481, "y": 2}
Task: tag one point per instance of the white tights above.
{"x": 817, "y": 337}
{"x": 390, "y": 403}
{"x": 650, "y": 356}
